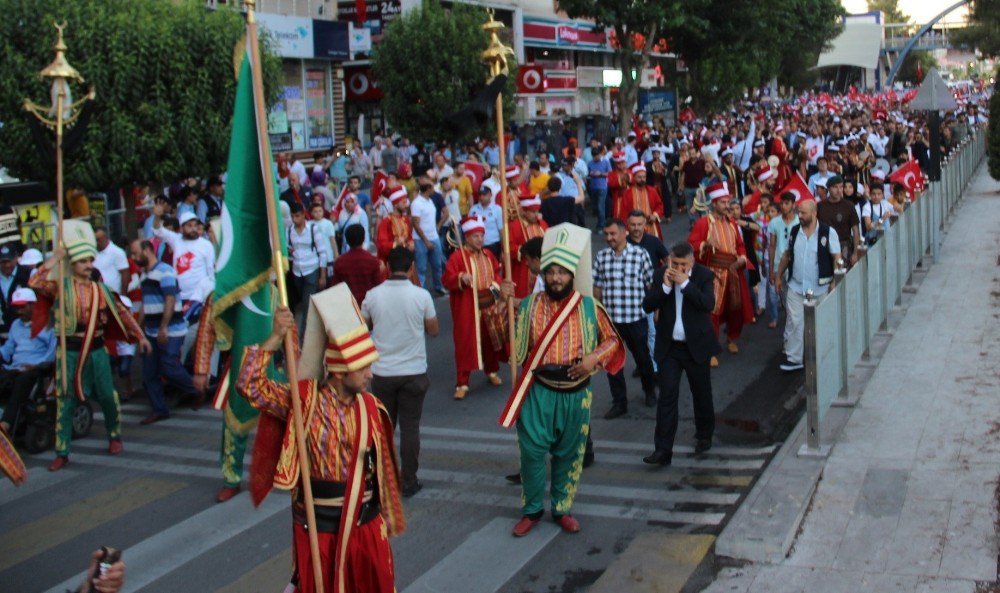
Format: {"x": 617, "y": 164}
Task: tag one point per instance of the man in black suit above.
{"x": 12, "y": 277}
{"x": 683, "y": 345}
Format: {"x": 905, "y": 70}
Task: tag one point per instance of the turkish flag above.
{"x": 380, "y": 183}
{"x": 910, "y": 177}
{"x": 530, "y": 79}
{"x": 798, "y": 188}
{"x": 475, "y": 172}
{"x": 339, "y": 204}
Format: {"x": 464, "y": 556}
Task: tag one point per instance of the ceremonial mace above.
{"x": 495, "y": 56}
{"x": 291, "y": 360}
{"x": 62, "y": 114}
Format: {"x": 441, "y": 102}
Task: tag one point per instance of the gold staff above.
{"x": 291, "y": 360}
{"x": 65, "y": 112}
{"x": 495, "y": 57}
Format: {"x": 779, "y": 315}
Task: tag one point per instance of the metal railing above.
{"x": 840, "y": 326}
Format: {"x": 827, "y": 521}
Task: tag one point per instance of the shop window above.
{"x": 318, "y": 107}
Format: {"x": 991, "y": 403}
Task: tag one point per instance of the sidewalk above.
{"x": 908, "y": 496}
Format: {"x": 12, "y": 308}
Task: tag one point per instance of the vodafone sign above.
{"x": 530, "y": 80}
{"x": 361, "y": 85}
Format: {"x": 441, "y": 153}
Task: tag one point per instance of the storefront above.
{"x": 309, "y": 113}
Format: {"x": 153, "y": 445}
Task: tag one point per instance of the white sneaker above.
{"x": 789, "y": 367}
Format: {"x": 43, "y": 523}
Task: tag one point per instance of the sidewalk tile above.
{"x": 920, "y": 537}
{"x": 971, "y": 549}
{"x": 946, "y": 586}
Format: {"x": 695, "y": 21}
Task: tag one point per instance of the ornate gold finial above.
{"x": 60, "y": 68}
{"x": 250, "y": 6}
{"x": 496, "y": 52}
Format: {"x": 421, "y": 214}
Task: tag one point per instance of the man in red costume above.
{"x": 619, "y": 181}
{"x": 395, "y": 230}
{"x": 646, "y": 198}
{"x": 472, "y": 275}
{"x": 526, "y": 226}
{"x": 718, "y": 245}
{"x": 780, "y": 150}
{"x": 765, "y": 177}
{"x": 352, "y": 460}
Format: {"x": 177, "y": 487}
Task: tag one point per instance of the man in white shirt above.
{"x": 426, "y": 242}
{"x": 111, "y": 261}
{"x": 492, "y": 215}
{"x": 194, "y": 255}
{"x": 815, "y": 145}
{"x": 307, "y": 258}
{"x": 822, "y": 175}
{"x": 399, "y": 314}
{"x": 441, "y": 168}
{"x": 878, "y": 140}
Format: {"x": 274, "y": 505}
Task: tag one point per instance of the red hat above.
{"x": 398, "y": 194}
{"x": 764, "y": 174}
{"x": 638, "y": 168}
{"x": 618, "y": 157}
{"x": 512, "y": 172}
{"x": 717, "y": 191}
{"x": 531, "y": 202}
{"x": 473, "y": 224}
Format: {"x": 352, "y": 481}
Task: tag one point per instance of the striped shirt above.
{"x": 157, "y": 285}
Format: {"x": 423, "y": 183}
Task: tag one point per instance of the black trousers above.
{"x": 403, "y": 398}
{"x": 699, "y": 377}
{"x": 19, "y": 383}
{"x": 635, "y": 336}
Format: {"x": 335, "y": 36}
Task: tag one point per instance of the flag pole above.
{"x": 496, "y": 56}
{"x": 291, "y": 360}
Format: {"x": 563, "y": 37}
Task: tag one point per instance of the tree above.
{"x": 893, "y": 15}
{"x": 807, "y": 27}
{"x": 428, "y": 65}
{"x": 983, "y": 32}
{"x": 164, "y": 77}
{"x": 637, "y": 25}
{"x": 993, "y": 137}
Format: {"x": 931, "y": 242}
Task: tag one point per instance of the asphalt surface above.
{"x": 156, "y": 501}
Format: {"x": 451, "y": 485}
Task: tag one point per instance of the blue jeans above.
{"x": 423, "y": 256}
{"x": 599, "y": 199}
{"x": 689, "y": 195}
{"x": 164, "y": 362}
{"x": 305, "y": 286}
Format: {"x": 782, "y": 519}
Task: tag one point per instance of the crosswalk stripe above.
{"x": 485, "y": 561}
{"x": 145, "y": 465}
{"x": 599, "y": 443}
{"x": 155, "y": 557}
{"x": 637, "y": 513}
{"x": 39, "y": 478}
{"x": 270, "y": 575}
{"x": 66, "y": 523}
{"x": 590, "y": 489}
{"x": 655, "y": 562}
{"x": 707, "y": 463}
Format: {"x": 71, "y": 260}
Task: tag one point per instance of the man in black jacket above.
{"x": 684, "y": 344}
{"x": 12, "y": 277}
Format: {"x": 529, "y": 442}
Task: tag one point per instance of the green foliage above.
{"x": 983, "y": 32}
{"x": 993, "y": 138}
{"x": 908, "y": 70}
{"x": 651, "y": 19}
{"x": 428, "y": 66}
{"x": 164, "y": 77}
{"x": 890, "y": 8}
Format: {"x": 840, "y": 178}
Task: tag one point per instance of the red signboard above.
{"x": 530, "y": 80}
{"x": 361, "y": 85}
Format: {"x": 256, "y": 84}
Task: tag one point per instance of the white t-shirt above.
{"x": 326, "y": 228}
{"x": 397, "y": 310}
{"x": 194, "y": 262}
{"x": 815, "y": 148}
{"x": 110, "y": 264}
{"x": 423, "y": 208}
{"x": 878, "y": 213}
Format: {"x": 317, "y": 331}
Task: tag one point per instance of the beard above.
{"x": 558, "y": 294}
{"x": 142, "y": 261}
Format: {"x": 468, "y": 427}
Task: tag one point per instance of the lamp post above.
{"x": 61, "y": 114}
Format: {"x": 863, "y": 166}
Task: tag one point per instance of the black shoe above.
{"x": 650, "y": 399}
{"x": 513, "y": 478}
{"x": 659, "y": 457}
{"x": 791, "y": 367}
{"x": 616, "y": 411}
{"x": 588, "y": 459}
{"x": 411, "y": 489}
{"x": 702, "y": 445}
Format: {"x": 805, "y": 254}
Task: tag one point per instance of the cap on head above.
{"x": 23, "y": 296}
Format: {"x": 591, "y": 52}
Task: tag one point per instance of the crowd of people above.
{"x": 776, "y": 195}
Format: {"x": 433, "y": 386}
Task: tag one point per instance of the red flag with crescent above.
{"x": 475, "y": 172}
{"x": 910, "y": 177}
{"x": 798, "y": 188}
{"x": 379, "y": 184}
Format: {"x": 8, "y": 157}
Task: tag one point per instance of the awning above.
{"x": 858, "y": 45}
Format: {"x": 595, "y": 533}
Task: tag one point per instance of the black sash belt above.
{"x": 556, "y": 377}
{"x": 75, "y": 342}
{"x": 328, "y": 502}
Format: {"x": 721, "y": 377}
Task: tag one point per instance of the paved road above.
{"x": 156, "y": 500}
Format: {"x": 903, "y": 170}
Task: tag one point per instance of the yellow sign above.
{"x": 37, "y": 223}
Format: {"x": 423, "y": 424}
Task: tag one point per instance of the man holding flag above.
{"x": 563, "y": 336}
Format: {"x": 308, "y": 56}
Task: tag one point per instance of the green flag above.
{"x": 243, "y": 305}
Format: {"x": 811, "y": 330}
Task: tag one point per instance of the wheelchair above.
{"x": 34, "y": 423}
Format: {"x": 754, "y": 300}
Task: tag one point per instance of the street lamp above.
{"x": 61, "y": 114}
